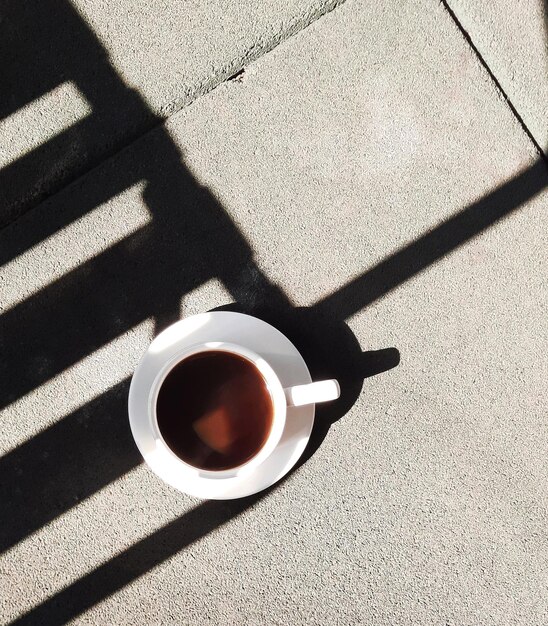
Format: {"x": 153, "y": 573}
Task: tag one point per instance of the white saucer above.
{"x": 256, "y": 335}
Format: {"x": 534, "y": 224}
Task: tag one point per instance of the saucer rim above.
{"x": 230, "y": 487}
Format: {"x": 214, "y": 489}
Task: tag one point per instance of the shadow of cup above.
{"x": 330, "y": 350}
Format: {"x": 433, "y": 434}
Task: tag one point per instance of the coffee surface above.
{"x": 214, "y": 410}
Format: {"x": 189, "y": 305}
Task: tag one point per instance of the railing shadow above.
{"x": 190, "y": 240}
{"x": 301, "y": 326}
{"x": 43, "y": 44}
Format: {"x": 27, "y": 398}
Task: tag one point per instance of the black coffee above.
{"x": 214, "y": 410}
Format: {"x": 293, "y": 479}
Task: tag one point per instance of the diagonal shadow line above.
{"x": 27, "y": 231}
{"x": 185, "y": 245}
{"x": 70, "y": 480}
{"x": 83, "y": 284}
{"x": 65, "y": 464}
{"x": 426, "y": 250}
{"x": 135, "y": 558}
{"x": 44, "y": 43}
{"x": 79, "y": 291}
{"x": 49, "y": 152}
{"x": 134, "y": 562}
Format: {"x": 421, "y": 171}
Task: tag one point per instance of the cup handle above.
{"x": 322, "y": 391}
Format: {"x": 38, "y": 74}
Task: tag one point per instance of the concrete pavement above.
{"x": 365, "y": 185}
{"x": 89, "y": 77}
{"x": 513, "y": 40}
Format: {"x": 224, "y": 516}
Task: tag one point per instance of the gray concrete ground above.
{"x": 512, "y": 37}
{"x": 165, "y": 54}
{"x": 365, "y": 186}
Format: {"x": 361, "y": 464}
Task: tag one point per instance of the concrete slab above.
{"x": 82, "y": 79}
{"x": 512, "y": 37}
{"x": 367, "y": 172}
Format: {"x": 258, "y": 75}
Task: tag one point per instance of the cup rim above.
{"x": 274, "y": 388}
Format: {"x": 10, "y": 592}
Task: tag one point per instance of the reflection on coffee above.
{"x": 214, "y": 410}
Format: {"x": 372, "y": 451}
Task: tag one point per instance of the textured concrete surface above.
{"x": 367, "y": 170}
{"x": 165, "y": 54}
{"x": 512, "y": 37}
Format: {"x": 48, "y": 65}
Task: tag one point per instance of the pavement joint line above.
{"x": 232, "y": 71}
{"x": 256, "y": 51}
{"x": 495, "y": 80}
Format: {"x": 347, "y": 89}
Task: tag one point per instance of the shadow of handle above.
{"x": 376, "y": 362}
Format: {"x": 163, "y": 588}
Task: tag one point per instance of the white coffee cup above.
{"x": 281, "y": 399}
